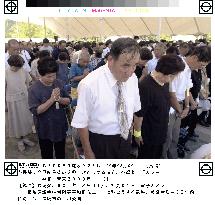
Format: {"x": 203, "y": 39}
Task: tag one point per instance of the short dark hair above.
{"x": 203, "y": 53}
{"x": 108, "y": 42}
{"x": 63, "y": 56}
{"x": 45, "y": 40}
{"x": 145, "y": 54}
{"x": 184, "y": 45}
{"x": 170, "y": 64}
{"x": 172, "y": 50}
{"x": 16, "y": 60}
{"x": 11, "y": 41}
{"x": 62, "y": 41}
{"x": 123, "y": 45}
{"x": 47, "y": 65}
{"x": 43, "y": 53}
{"x": 98, "y": 53}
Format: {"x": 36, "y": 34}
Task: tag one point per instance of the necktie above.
{"x": 121, "y": 108}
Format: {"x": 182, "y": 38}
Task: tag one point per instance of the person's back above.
{"x": 63, "y": 70}
{"x": 62, "y": 73}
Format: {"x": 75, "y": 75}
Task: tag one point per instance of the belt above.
{"x": 181, "y": 102}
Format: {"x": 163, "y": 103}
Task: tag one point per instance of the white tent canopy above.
{"x": 79, "y": 27}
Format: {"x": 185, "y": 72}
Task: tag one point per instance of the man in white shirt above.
{"x": 13, "y": 49}
{"x": 108, "y": 45}
{"x": 180, "y": 98}
{"x": 160, "y": 49}
{"x": 97, "y": 115}
{"x": 24, "y": 52}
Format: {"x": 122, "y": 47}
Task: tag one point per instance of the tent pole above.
{"x": 159, "y": 28}
{"x": 29, "y": 28}
{"x": 17, "y": 29}
{"x": 44, "y": 22}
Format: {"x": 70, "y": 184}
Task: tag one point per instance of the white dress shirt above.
{"x": 151, "y": 64}
{"x": 105, "y": 51}
{"x": 26, "y": 55}
{"x": 181, "y": 83}
{"x": 26, "y": 66}
{"x": 97, "y": 102}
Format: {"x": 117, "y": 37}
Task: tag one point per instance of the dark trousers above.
{"x": 150, "y": 151}
{"x": 46, "y": 147}
{"x": 190, "y": 121}
{"x": 110, "y": 146}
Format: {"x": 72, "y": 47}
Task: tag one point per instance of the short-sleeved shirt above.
{"x": 181, "y": 83}
{"x": 77, "y": 70}
{"x": 97, "y": 102}
{"x": 151, "y": 64}
{"x": 155, "y": 105}
{"x": 51, "y": 124}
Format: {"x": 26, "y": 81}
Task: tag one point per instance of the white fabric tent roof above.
{"x": 79, "y": 27}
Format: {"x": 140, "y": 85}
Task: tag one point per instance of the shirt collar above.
{"x": 111, "y": 79}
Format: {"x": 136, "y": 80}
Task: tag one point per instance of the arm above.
{"x": 45, "y": 106}
{"x": 192, "y": 102}
{"x": 79, "y": 78}
{"x": 137, "y": 128}
{"x": 138, "y": 123}
{"x": 84, "y": 136}
{"x": 174, "y": 102}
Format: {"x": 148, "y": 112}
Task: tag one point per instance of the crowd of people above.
{"x": 129, "y": 97}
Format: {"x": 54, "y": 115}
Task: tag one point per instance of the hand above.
{"x": 194, "y": 106}
{"x": 89, "y": 155}
{"x": 86, "y": 72}
{"x": 139, "y": 140}
{"x": 57, "y": 93}
{"x": 184, "y": 113}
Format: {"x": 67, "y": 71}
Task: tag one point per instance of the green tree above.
{"x": 25, "y": 30}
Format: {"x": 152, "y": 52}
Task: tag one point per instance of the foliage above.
{"x": 25, "y": 30}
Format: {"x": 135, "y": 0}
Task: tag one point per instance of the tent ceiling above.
{"x": 77, "y": 27}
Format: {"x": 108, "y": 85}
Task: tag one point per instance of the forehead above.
{"x": 14, "y": 45}
{"x": 63, "y": 44}
{"x": 131, "y": 58}
{"x": 85, "y": 58}
{"x": 49, "y": 75}
{"x": 159, "y": 48}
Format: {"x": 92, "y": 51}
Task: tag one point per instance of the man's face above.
{"x": 83, "y": 62}
{"x": 48, "y": 78}
{"x": 123, "y": 68}
{"x": 169, "y": 78}
{"x": 183, "y": 51}
{"x": 62, "y": 46}
{"x": 196, "y": 64}
{"x": 45, "y": 44}
{"x": 13, "y": 49}
{"x": 158, "y": 51}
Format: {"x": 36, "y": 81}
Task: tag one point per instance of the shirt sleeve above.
{"x": 173, "y": 85}
{"x": 33, "y": 101}
{"x": 137, "y": 97}
{"x": 84, "y": 106}
{"x": 72, "y": 72}
{"x": 189, "y": 81}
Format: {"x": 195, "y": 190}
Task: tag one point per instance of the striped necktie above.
{"x": 121, "y": 108}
